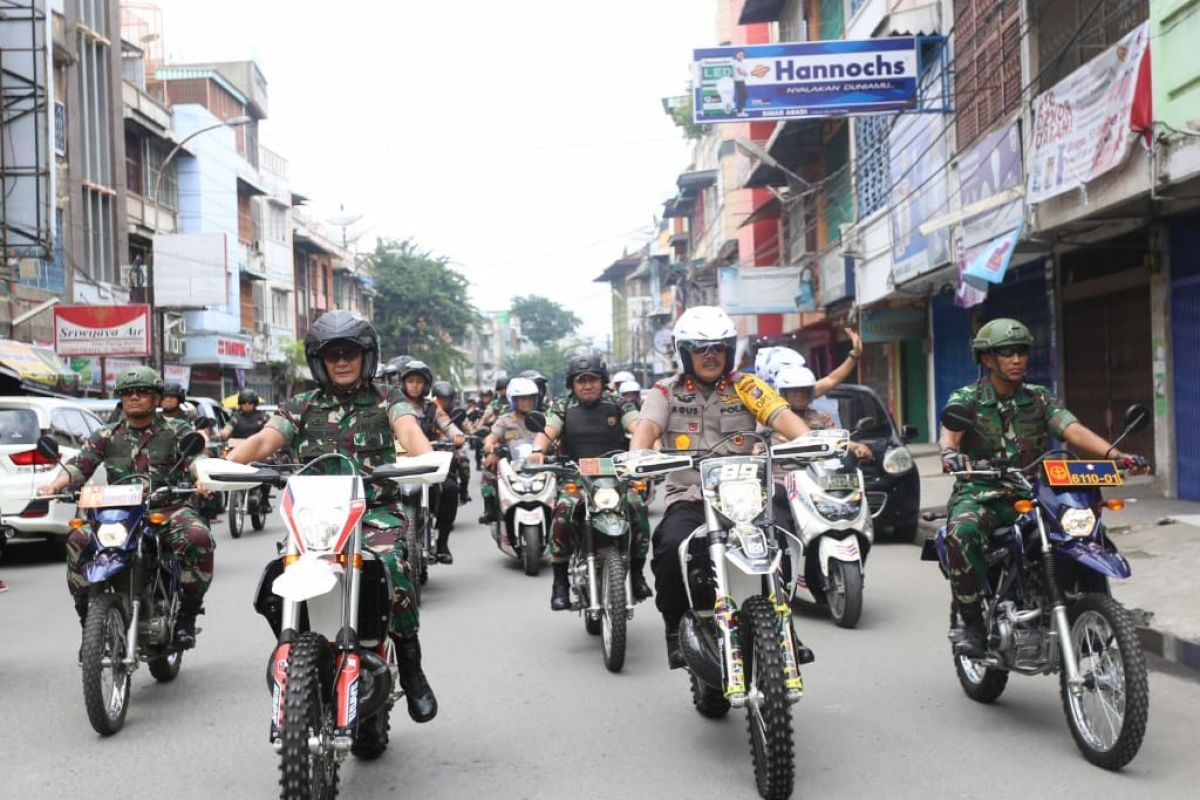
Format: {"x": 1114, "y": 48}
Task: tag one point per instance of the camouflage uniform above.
{"x": 1017, "y": 428}
{"x": 360, "y": 426}
{"x": 566, "y": 510}
{"x": 494, "y": 411}
{"x": 153, "y": 451}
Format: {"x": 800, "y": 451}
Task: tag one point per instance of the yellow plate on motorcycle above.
{"x": 596, "y": 467}
{"x": 125, "y": 494}
{"x": 1082, "y": 473}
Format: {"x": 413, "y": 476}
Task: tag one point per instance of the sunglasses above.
{"x": 336, "y": 354}
{"x": 1008, "y": 351}
{"x": 144, "y": 392}
{"x": 706, "y": 349}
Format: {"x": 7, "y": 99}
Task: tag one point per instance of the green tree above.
{"x": 422, "y": 308}
{"x": 682, "y": 114}
{"x": 543, "y": 320}
{"x": 550, "y": 360}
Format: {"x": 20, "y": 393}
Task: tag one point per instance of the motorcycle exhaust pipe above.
{"x": 378, "y": 687}
{"x": 700, "y": 651}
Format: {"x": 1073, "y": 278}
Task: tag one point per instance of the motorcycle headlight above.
{"x": 1078, "y": 522}
{"x": 537, "y": 484}
{"x": 897, "y": 460}
{"x": 741, "y": 501}
{"x": 319, "y": 527}
{"x": 606, "y": 497}
{"x": 112, "y": 534}
{"x": 836, "y": 509}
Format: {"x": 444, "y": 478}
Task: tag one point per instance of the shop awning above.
{"x": 35, "y": 368}
{"x": 761, "y": 11}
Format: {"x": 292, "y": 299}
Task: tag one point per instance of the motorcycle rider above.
{"x": 247, "y": 421}
{"x": 619, "y": 377}
{"x": 499, "y": 405}
{"x": 542, "y": 384}
{"x": 444, "y": 395}
{"x": 416, "y": 378}
{"x": 798, "y": 385}
{"x": 631, "y": 392}
{"x": 589, "y": 422}
{"x": 1015, "y": 419}
{"x": 349, "y": 414}
{"x": 509, "y": 430}
{"x": 174, "y": 405}
{"x": 694, "y": 410}
{"x": 144, "y": 442}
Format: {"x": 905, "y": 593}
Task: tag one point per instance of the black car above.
{"x": 891, "y": 479}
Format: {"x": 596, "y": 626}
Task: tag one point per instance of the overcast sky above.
{"x": 523, "y": 140}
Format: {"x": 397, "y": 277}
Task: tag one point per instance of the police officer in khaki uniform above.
{"x": 695, "y": 410}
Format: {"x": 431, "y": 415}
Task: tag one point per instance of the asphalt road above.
{"x": 528, "y": 710}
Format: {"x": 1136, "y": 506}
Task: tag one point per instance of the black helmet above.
{"x": 174, "y": 390}
{"x": 586, "y": 365}
{"x": 340, "y": 326}
{"x": 501, "y": 381}
{"x": 415, "y": 367}
{"x": 396, "y": 363}
{"x": 443, "y": 390}
{"x": 247, "y": 396}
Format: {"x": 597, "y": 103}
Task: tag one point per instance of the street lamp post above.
{"x": 157, "y": 356}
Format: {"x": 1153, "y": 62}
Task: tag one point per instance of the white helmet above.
{"x": 768, "y": 364}
{"x": 520, "y": 387}
{"x": 703, "y": 325}
{"x": 629, "y": 386}
{"x": 792, "y": 377}
{"x": 622, "y": 377}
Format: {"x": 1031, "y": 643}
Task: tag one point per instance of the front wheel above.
{"x": 307, "y": 772}
{"x": 1108, "y": 718}
{"x": 768, "y": 714}
{"x": 166, "y": 667}
{"x": 844, "y": 591}
{"x": 613, "y": 610}
{"x": 237, "y": 513}
{"x": 531, "y": 549}
{"x": 105, "y": 677}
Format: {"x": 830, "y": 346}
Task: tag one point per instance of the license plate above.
{"x": 1082, "y": 473}
{"x": 839, "y": 483}
{"x": 596, "y": 467}
{"x": 128, "y": 494}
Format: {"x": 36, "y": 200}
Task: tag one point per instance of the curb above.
{"x": 1166, "y": 646}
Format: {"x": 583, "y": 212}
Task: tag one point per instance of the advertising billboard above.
{"x": 808, "y": 79}
{"x": 191, "y": 270}
{"x": 102, "y": 330}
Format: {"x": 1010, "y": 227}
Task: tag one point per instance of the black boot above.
{"x": 675, "y": 658}
{"x": 560, "y": 590}
{"x": 489, "y": 511}
{"x": 973, "y": 643}
{"x": 637, "y": 581}
{"x": 443, "y": 549}
{"x": 422, "y": 705}
{"x": 185, "y": 622}
{"x": 81, "y": 612}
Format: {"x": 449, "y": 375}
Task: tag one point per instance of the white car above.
{"x": 23, "y": 470}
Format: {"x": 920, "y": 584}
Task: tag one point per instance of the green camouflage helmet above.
{"x": 1000, "y": 332}
{"x": 139, "y": 378}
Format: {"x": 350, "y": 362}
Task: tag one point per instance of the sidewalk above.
{"x": 1159, "y": 536}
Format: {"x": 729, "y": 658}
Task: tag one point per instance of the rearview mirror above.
{"x": 535, "y": 421}
{"x": 1137, "y": 417}
{"x": 457, "y": 415}
{"x": 192, "y": 443}
{"x": 47, "y": 447}
{"x": 957, "y": 419}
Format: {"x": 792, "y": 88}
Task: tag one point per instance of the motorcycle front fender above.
{"x": 1096, "y": 557}
{"x": 309, "y": 577}
{"x": 528, "y": 516}
{"x": 845, "y": 549}
{"x": 105, "y": 565}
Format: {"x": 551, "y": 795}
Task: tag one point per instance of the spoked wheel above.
{"x": 237, "y": 513}
{"x": 105, "y": 677}
{"x": 308, "y": 769}
{"x": 166, "y": 667}
{"x": 981, "y": 684}
{"x": 531, "y": 550}
{"x": 844, "y": 590}
{"x": 1108, "y": 718}
{"x": 416, "y": 560}
{"x": 258, "y": 507}
{"x": 768, "y": 715}
{"x": 613, "y": 613}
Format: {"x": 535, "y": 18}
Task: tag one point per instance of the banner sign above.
{"x": 899, "y": 324}
{"x": 809, "y": 79}
{"x": 102, "y": 330}
{"x": 1084, "y": 125}
{"x": 758, "y": 290}
{"x": 919, "y": 193}
{"x": 988, "y": 262}
{"x": 989, "y": 167}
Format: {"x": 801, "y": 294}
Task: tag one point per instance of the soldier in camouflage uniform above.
{"x": 174, "y": 405}
{"x": 143, "y": 442}
{"x": 1016, "y": 420}
{"x": 444, "y": 395}
{"x": 509, "y": 430}
{"x": 498, "y": 406}
{"x": 587, "y": 423}
{"x": 351, "y": 415}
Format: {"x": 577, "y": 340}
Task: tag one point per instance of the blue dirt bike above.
{"x": 1047, "y": 606}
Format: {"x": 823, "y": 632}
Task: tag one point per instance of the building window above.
{"x": 98, "y": 235}
{"x": 277, "y": 223}
{"x": 987, "y": 86}
{"x": 871, "y": 142}
{"x": 134, "y": 164}
{"x": 168, "y": 187}
{"x": 1062, "y": 19}
{"x": 281, "y": 316}
{"x": 60, "y": 128}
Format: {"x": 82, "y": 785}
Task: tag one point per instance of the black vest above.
{"x": 246, "y": 425}
{"x": 591, "y": 432}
